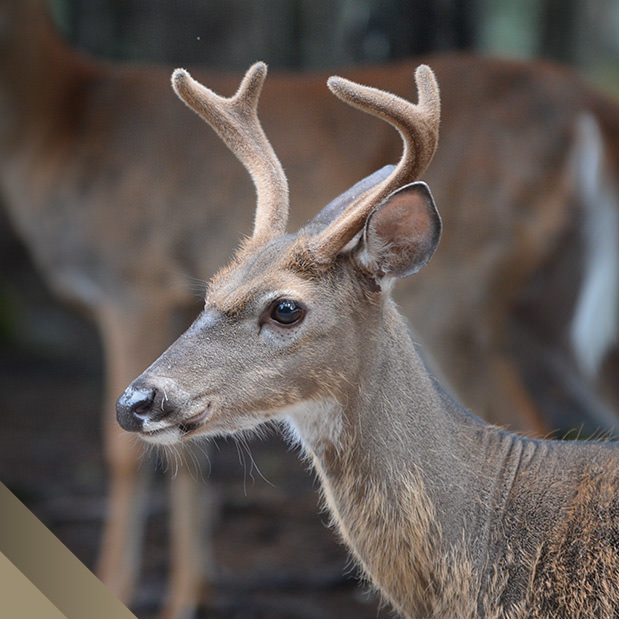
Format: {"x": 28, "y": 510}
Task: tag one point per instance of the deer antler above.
{"x": 418, "y": 127}
{"x": 235, "y": 120}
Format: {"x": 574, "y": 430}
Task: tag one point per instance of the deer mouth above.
{"x": 193, "y": 423}
{"x": 177, "y": 431}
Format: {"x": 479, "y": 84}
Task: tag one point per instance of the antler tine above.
{"x": 418, "y": 127}
{"x": 235, "y": 120}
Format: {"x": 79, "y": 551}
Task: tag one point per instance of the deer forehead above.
{"x": 259, "y": 276}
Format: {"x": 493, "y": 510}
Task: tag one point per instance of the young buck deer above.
{"x": 120, "y": 200}
{"x": 449, "y": 516}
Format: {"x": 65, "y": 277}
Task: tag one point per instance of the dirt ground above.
{"x": 275, "y": 554}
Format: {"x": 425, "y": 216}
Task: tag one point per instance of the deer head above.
{"x": 290, "y": 323}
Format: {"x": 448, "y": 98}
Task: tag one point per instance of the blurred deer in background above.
{"x": 449, "y": 516}
{"x": 122, "y": 201}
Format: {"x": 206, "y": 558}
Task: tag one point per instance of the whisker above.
{"x": 254, "y": 465}
{"x": 242, "y": 462}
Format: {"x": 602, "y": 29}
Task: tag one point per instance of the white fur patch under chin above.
{"x": 595, "y": 324}
{"x": 169, "y": 436}
{"x": 152, "y": 426}
{"x": 315, "y": 423}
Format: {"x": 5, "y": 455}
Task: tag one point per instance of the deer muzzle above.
{"x": 158, "y": 411}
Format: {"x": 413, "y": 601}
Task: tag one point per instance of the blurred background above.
{"x": 277, "y": 557}
{"x": 307, "y": 34}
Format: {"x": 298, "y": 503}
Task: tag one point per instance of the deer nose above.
{"x": 135, "y": 406}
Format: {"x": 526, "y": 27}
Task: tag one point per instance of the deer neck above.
{"x": 403, "y": 468}
{"x": 42, "y": 81}
{"x": 390, "y": 458}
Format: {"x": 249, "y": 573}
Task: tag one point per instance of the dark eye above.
{"x": 287, "y": 312}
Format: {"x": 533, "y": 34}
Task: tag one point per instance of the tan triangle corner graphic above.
{"x": 34, "y": 561}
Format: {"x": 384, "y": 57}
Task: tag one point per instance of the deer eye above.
{"x": 287, "y": 312}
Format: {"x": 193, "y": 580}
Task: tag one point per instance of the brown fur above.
{"x": 577, "y": 571}
{"x": 573, "y": 572}
{"x": 401, "y": 551}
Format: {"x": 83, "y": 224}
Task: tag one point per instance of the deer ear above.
{"x": 337, "y": 206}
{"x": 401, "y": 233}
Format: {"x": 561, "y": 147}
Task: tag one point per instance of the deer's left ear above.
{"x": 401, "y": 233}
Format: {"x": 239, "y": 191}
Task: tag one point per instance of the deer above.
{"x": 447, "y": 515}
{"x": 120, "y": 219}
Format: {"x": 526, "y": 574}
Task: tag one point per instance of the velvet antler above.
{"x": 235, "y": 120}
{"x": 418, "y": 127}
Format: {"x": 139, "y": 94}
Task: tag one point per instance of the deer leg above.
{"x": 191, "y": 562}
{"x": 132, "y": 339}
{"x": 119, "y": 557}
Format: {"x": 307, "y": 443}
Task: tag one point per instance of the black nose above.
{"x": 134, "y": 406}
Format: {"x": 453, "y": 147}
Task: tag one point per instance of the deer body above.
{"x": 120, "y": 199}
{"x": 451, "y": 517}
{"x": 448, "y": 515}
